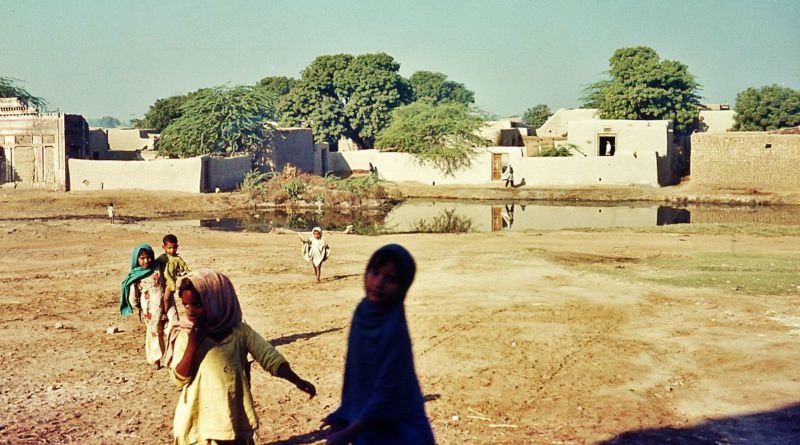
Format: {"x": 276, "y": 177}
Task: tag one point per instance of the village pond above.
{"x": 426, "y": 216}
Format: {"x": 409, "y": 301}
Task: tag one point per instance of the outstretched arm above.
{"x": 285, "y": 372}
{"x": 273, "y": 362}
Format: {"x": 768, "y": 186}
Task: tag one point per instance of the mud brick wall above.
{"x": 746, "y": 159}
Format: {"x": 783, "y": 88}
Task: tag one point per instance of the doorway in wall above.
{"x": 607, "y": 145}
{"x": 499, "y": 163}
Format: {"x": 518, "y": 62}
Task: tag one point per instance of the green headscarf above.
{"x": 136, "y": 273}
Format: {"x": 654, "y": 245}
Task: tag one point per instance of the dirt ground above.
{"x": 516, "y": 339}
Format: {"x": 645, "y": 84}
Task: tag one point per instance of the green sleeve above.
{"x": 266, "y": 355}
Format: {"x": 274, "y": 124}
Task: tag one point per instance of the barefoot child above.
{"x": 210, "y": 364}
{"x": 381, "y": 399}
{"x": 316, "y": 250}
{"x": 172, "y": 267}
{"x": 143, "y": 289}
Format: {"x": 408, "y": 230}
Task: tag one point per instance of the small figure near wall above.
{"x": 508, "y": 176}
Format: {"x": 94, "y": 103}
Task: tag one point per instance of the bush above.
{"x": 293, "y": 187}
{"x": 253, "y": 181}
{"x": 560, "y": 151}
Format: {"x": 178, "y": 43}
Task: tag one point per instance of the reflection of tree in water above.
{"x": 360, "y": 221}
{"x": 363, "y": 222}
{"x": 446, "y": 222}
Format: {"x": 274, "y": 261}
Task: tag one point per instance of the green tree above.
{"x": 767, "y": 108}
{"x": 162, "y": 113}
{"x": 221, "y": 120}
{"x": 443, "y": 134}
{"x": 277, "y": 85}
{"x": 534, "y": 117}
{"x": 642, "y": 87}
{"x": 9, "y": 88}
{"x": 435, "y": 88}
{"x": 346, "y": 96}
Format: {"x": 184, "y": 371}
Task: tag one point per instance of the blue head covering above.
{"x": 380, "y": 384}
{"x": 136, "y": 273}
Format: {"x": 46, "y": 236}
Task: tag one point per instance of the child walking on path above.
{"x": 143, "y": 289}
{"x": 382, "y": 401}
{"x": 172, "y": 267}
{"x": 316, "y": 250}
{"x": 209, "y": 362}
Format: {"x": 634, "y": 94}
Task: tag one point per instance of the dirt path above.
{"x": 517, "y": 339}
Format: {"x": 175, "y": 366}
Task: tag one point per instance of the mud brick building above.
{"x": 35, "y": 146}
{"x": 746, "y": 160}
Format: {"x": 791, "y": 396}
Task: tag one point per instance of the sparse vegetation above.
{"x": 559, "y": 151}
{"x": 292, "y": 187}
{"x": 739, "y": 272}
{"x": 254, "y": 182}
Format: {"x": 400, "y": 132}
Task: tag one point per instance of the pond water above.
{"x": 418, "y": 216}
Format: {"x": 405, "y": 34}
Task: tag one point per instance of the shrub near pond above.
{"x": 294, "y": 188}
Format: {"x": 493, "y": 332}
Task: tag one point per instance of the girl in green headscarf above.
{"x": 143, "y": 288}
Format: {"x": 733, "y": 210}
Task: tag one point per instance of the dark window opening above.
{"x": 608, "y": 145}
{"x": 768, "y": 146}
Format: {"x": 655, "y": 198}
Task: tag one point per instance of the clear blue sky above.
{"x": 116, "y": 57}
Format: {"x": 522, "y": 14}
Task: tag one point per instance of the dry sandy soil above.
{"x": 516, "y": 340}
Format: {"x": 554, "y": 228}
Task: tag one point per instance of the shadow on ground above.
{"x": 778, "y": 427}
{"x": 286, "y": 339}
{"x": 314, "y": 436}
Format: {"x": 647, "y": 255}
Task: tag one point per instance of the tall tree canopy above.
{"x": 767, "y": 108}
{"x": 277, "y": 85}
{"x": 435, "y": 88}
{"x": 162, "y": 113}
{"x": 642, "y": 86}
{"x": 221, "y": 120}
{"x": 534, "y": 117}
{"x": 444, "y": 134}
{"x": 346, "y": 96}
{"x": 9, "y": 88}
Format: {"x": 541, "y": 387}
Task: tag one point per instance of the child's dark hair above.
{"x": 397, "y": 255}
{"x": 186, "y": 284}
{"x": 169, "y": 238}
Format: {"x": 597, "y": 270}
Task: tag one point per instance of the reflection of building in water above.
{"x": 492, "y": 218}
{"x": 671, "y": 215}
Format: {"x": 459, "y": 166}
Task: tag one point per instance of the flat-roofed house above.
{"x": 35, "y": 146}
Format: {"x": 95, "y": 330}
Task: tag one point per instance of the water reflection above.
{"x": 446, "y": 222}
{"x": 418, "y": 216}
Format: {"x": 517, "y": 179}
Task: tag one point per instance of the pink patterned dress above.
{"x": 151, "y": 291}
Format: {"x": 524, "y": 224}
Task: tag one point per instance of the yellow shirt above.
{"x": 172, "y": 267}
{"x": 216, "y": 404}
